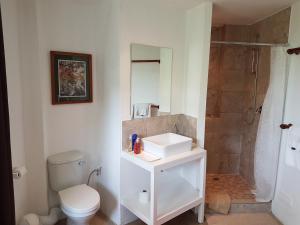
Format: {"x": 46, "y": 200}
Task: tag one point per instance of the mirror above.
{"x": 151, "y": 76}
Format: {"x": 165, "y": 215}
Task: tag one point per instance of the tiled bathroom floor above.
{"x": 234, "y": 185}
{"x": 189, "y": 218}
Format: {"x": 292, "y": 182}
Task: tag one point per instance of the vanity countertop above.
{"x": 164, "y": 163}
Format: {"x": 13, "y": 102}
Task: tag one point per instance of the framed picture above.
{"x": 71, "y": 78}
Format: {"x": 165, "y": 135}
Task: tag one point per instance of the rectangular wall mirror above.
{"x": 151, "y": 77}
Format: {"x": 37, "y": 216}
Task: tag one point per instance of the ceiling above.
{"x": 237, "y": 12}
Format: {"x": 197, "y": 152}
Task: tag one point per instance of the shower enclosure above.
{"x": 237, "y": 84}
{"x": 241, "y": 65}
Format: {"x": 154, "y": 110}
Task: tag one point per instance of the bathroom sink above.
{"x": 167, "y": 144}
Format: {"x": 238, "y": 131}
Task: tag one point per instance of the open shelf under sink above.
{"x": 169, "y": 199}
{"x": 175, "y": 185}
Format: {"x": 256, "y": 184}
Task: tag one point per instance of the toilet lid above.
{"x": 79, "y": 199}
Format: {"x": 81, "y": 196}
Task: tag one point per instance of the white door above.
{"x": 286, "y": 205}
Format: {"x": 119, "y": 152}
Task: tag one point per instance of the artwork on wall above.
{"x": 71, "y": 78}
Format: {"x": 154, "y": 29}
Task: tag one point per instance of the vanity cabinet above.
{"x": 175, "y": 184}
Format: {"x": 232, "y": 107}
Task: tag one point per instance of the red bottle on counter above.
{"x": 137, "y": 146}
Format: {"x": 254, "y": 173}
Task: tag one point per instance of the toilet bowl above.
{"x": 80, "y": 203}
{"x": 67, "y": 176}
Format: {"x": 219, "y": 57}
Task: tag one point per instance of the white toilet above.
{"x": 66, "y": 176}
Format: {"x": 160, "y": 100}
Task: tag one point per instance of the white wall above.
{"x": 67, "y": 127}
{"x": 72, "y": 126}
{"x": 286, "y": 204}
{"x": 198, "y": 27}
{"x": 161, "y": 23}
{"x": 10, "y": 31}
{"x": 86, "y": 27}
{"x": 187, "y": 32}
{"x": 104, "y": 28}
{"x": 110, "y": 136}
{"x": 152, "y": 23}
{"x": 32, "y": 105}
{"x": 139, "y": 52}
{"x": 38, "y": 129}
{"x": 20, "y": 32}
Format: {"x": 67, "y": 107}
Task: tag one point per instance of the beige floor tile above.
{"x": 234, "y": 185}
{"x": 187, "y": 218}
{"x": 99, "y": 219}
{"x": 243, "y": 219}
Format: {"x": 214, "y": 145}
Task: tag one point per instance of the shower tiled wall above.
{"x": 274, "y": 29}
{"x": 227, "y": 93}
{"x": 231, "y": 122}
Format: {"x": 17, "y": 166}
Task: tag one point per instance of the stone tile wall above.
{"x": 180, "y": 124}
{"x": 227, "y": 91}
{"x": 274, "y": 29}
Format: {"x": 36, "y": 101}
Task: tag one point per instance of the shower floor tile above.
{"x": 234, "y": 185}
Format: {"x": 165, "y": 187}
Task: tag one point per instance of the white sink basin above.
{"x": 168, "y": 144}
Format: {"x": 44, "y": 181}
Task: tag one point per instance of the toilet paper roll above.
{"x": 19, "y": 172}
{"x": 144, "y": 197}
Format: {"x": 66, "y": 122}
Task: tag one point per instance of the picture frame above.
{"x": 71, "y": 78}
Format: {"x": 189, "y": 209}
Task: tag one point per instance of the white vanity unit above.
{"x": 175, "y": 184}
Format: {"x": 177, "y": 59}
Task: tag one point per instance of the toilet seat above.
{"x": 79, "y": 201}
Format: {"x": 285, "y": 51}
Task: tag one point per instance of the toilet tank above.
{"x": 66, "y": 170}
